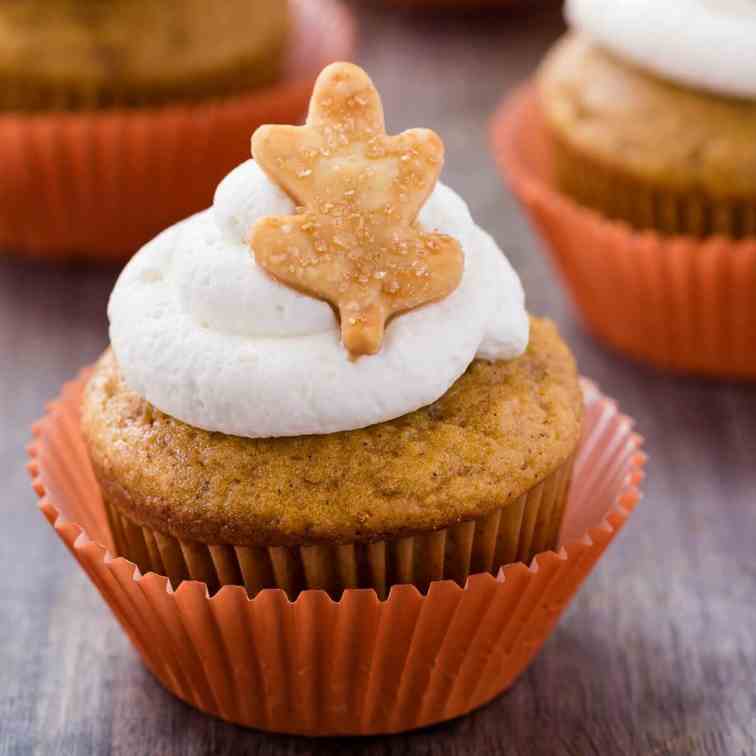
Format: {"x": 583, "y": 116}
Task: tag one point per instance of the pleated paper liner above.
{"x": 515, "y": 532}
{"x": 359, "y": 665}
{"x": 680, "y": 303}
{"x": 97, "y": 185}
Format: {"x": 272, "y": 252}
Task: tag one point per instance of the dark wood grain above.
{"x": 656, "y": 656}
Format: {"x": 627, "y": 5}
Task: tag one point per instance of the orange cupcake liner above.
{"x": 682, "y": 304}
{"x": 97, "y": 185}
{"x": 359, "y": 665}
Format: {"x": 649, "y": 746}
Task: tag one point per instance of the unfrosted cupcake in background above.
{"x": 357, "y": 400}
{"x": 119, "y": 118}
{"x": 633, "y": 150}
{"x": 652, "y": 111}
{"x": 81, "y": 54}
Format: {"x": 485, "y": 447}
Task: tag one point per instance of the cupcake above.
{"x": 78, "y": 54}
{"x": 108, "y": 108}
{"x": 656, "y": 129}
{"x": 329, "y": 379}
{"x": 633, "y": 152}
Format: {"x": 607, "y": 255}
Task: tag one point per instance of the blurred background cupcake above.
{"x": 656, "y": 130}
{"x": 634, "y": 152}
{"x": 80, "y": 54}
{"x": 106, "y": 109}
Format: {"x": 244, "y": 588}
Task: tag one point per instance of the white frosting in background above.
{"x": 705, "y": 44}
{"x": 205, "y": 335}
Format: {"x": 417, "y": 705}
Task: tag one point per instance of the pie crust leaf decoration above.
{"x": 354, "y": 241}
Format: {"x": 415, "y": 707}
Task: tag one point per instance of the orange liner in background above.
{"x": 97, "y": 185}
{"x": 359, "y": 665}
{"x": 682, "y": 304}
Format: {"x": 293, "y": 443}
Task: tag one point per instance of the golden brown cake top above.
{"x": 500, "y": 429}
{"x": 679, "y": 138}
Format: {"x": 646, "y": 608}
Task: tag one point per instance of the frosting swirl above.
{"x": 706, "y": 44}
{"x": 205, "y": 335}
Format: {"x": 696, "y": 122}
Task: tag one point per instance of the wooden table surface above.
{"x": 656, "y": 656}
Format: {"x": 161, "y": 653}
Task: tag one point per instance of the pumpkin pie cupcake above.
{"x": 329, "y": 378}
{"x": 329, "y": 381}
{"x": 634, "y": 151}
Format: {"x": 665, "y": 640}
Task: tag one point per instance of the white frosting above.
{"x": 208, "y": 337}
{"x": 706, "y": 44}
